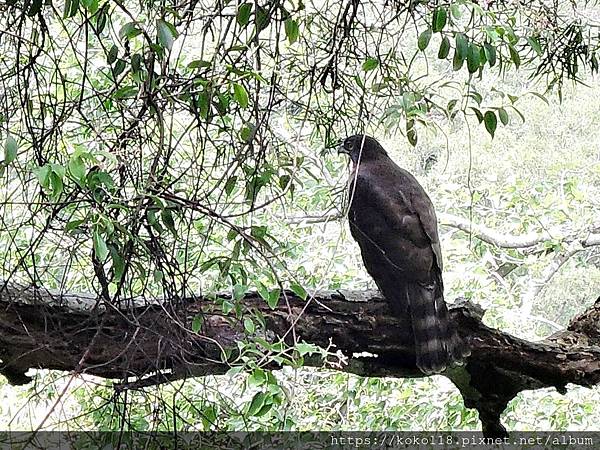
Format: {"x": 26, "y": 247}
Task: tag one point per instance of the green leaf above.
{"x": 71, "y": 7}
{"x": 503, "y": 115}
{"x": 204, "y": 104}
{"x": 462, "y": 46}
{"x": 491, "y": 122}
{"x": 424, "y": 38}
{"x": 230, "y": 184}
{"x": 457, "y": 61}
{"x": 411, "y": 132}
{"x": 232, "y": 234}
{"x": 105, "y": 179}
{"x": 514, "y": 56}
{"x": 101, "y": 19}
{"x": 199, "y": 64}
{"x": 111, "y": 57}
{"x": 273, "y": 299}
{"x": 167, "y": 219}
{"x": 118, "y": 68}
{"x": 56, "y": 183}
{"x": 482, "y": 58}
{"x": 10, "y": 149}
{"x": 239, "y": 291}
{"x": 74, "y": 7}
{"x": 227, "y": 307}
{"x": 439, "y": 19}
{"x": 166, "y": 33}
{"x": 257, "y": 403}
{"x": 100, "y": 247}
{"x": 257, "y": 378}
{"x": 262, "y": 19}
{"x": 90, "y": 5}
{"x": 246, "y": 132}
{"x": 535, "y": 45}
{"x": 284, "y": 181}
{"x": 378, "y": 87}
{"x": 292, "y": 31}
{"x": 473, "y": 58}
{"x": 305, "y": 348}
{"x": 370, "y": 64}
{"x": 490, "y": 53}
{"x": 35, "y": 8}
{"x": 58, "y": 170}
{"x": 126, "y": 92}
{"x": 77, "y": 167}
{"x": 158, "y": 275}
{"x": 258, "y": 231}
{"x": 243, "y": 14}
{"x": 73, "y": 224}
{"x": 444, "y": 48}
{"x": 235, "y": 254}
{"x": 240, "y": 94}
{"x": 478, "y": 114}
{"x": 476, "y": 96}
{"x": 519, "y": 113}
{"x": 540, "y": 96}
{"x": 408, "y": 100}
{"x": 266, "y": 408}
{"x": 298, "y": 290}
{"x": 129, "y": 30}
{"x": 455, "y": 11}
{"x": 136, "y": 62}
{"x": 197, "y": 323}
{"x": 262, "y": 291}
{"x": 153, "y": 220}
{"x": 118, "y": 264}
{"x": 492, "y": 33}
{"x": 249, "y": 325}
{"x": 594, "y": 63}
{"x": 43, "y": 175}
{"x": 209, "y": 416}
{"x": 235, "y": 370}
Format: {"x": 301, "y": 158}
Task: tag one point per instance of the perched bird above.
{"x": 393, "y": 220}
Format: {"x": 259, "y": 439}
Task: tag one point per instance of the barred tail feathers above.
{"x": 437, "y": 344}
{"x": 455, "y": 346}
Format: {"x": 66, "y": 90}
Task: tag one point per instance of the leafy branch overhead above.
{"x": 163, "y": 149}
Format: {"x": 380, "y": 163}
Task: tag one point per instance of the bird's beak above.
{"x": 342, "y": 149}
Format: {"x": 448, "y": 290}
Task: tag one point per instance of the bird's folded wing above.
{"x": 409, "y": 211}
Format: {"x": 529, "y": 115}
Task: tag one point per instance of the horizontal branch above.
{"x": 493, "y": 237}
{"x": 481, "y": 232}
{"x": 151, "y": 343}
{"x": 490, "y": 235}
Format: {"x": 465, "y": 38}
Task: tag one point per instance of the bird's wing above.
{"x": 423, "y": 208}
{"x": 408, "y": 209}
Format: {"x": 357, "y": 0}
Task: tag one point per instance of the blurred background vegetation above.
{"x": 186, "y": 149}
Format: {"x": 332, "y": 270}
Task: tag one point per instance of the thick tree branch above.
{"x": 153, "y": 342}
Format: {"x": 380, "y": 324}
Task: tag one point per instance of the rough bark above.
{"x": 147, "y": 343}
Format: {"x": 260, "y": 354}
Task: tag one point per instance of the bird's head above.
{"x": 361, "y": 147}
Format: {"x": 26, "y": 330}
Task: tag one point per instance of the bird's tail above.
{"x": 437, "y": 344}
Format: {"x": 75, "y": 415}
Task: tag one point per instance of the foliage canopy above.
{"x": 153, "y": 148}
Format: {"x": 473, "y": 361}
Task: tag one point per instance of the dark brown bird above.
{"x": 393, "y": 220}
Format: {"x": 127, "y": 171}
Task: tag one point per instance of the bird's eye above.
{"x": 347, "y": 145}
